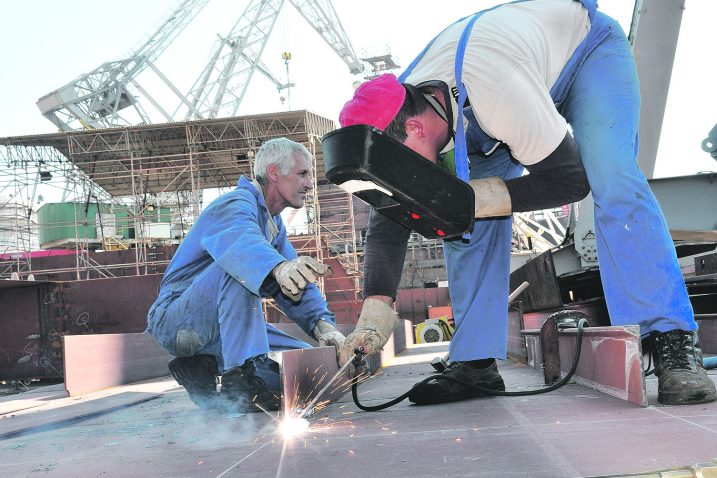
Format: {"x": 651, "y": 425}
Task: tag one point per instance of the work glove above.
{"x": 491, "y": 197}
{"x": 293, "y": 276}
{"x": 327, "y": 334}
{"x": 374, "y": 328}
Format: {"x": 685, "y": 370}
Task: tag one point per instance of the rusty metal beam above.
{"x": 549, "y": 348}
{"x": 519, "y": 321}
{"x": 36, "y": 315}
{"x": 610, "y": 360}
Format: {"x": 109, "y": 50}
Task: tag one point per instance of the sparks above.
{"x": 291, "y": 427}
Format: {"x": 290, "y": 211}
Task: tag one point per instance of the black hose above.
{"x": 487, "y": 391}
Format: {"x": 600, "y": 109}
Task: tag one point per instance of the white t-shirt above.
{"x": 514, "y": 55}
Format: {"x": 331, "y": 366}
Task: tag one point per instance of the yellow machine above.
{"x": 434, "y": 330}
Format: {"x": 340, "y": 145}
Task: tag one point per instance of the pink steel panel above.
{"x": 95, "y": 362}
{"x": 708, "y": 335}
{"x": 306, "y": 371}
{"x": 412, "y": 304}
{"x": 610, "y": 360}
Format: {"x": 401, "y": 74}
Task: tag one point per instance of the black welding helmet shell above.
{"x": 398, "y": 182}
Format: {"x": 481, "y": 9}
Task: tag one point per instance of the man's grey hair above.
{"x": 279, "y": 151}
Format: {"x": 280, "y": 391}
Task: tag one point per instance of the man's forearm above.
{"x": 384, "y": 253}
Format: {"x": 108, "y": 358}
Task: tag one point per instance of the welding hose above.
{"x": 487, "y": 391}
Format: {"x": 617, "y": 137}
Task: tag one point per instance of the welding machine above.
{"x": 398, "y": 182}
{"x": 434, "y": 330}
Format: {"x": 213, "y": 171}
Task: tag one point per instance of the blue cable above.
{"x": 710, "y": 362}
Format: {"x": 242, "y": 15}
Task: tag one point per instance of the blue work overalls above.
{"x": 210, "y": 297}
{"x": 598, "y": 94}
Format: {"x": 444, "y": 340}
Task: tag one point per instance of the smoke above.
{"x": 141, "y": 435}
{"x": 210, "y": 429}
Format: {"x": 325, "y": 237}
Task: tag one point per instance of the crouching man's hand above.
{"x": 327, "y": 334}
{"x": 293, "y": 276}
{"x": 374, "y": 328}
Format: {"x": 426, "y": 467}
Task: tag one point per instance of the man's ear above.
{"x": 415, "y": 127}
{"x": 273, "y": 172}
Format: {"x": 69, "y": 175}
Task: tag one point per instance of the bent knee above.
{"x": 187, "y": 343}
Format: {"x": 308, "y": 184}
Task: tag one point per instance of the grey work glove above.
{"x": 491, "y": 197}
{"x": 327, "y": 334}
{"x": 293, "y": 276}
{"x": 374, "y": 328}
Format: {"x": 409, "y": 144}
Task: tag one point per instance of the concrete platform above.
{"x": 571, "y": 432}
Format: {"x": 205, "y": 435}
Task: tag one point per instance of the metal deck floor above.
{"x": 571, "y": 432}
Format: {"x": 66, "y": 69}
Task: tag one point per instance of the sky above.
{"x": 45, "y": 44}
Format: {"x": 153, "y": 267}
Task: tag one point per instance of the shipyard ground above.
{"x": 152, "y": 429}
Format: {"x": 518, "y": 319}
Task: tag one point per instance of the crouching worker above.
{"x": 209, "y": 311}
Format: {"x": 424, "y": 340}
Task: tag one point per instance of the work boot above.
{"x": 682, "y": 379}
{"x": 251, "y": 387}
{"x": 198, "y": 375}
{"x": 441, "y": 390}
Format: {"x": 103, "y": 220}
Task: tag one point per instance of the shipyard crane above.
{"x": 220, "y": 88}
{"x": 95, "y": 100}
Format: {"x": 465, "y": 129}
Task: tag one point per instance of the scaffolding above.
{"x": 135, "y": 192}
{"x": 18, "y": 227}
{"x": 129, "y": 176}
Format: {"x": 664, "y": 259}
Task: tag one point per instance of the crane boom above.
{"x": 109, "y": 95}
{"x": 95, "y": 99}
{"x": 233, "y": 62}
{"x": 221, "y": 86}
{"x": 322, "y": 17}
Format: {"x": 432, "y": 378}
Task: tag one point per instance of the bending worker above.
{"x": 517, "y": 75}
{"x": 209, "y": 311}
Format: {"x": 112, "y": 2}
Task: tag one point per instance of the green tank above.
{"x": 58, "y": 222}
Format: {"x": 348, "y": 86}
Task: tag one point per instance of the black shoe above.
{"x": 246, "y": 389}
{"x": 198, "y": 375}
{"x": 441, "y": 390}
{"x": 682, "y": 379}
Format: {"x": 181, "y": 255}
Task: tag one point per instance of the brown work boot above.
{"x": 682, "y": 380}
{"x": 450, "y": 389}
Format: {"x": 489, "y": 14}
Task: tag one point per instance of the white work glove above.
{"x": 491, "y": 197}
{"x": 293, "y": 276}
{"x": 374, "y": 328}
{"x": 327, "y": 334}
